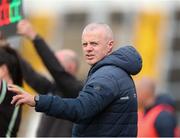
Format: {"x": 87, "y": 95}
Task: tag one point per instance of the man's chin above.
{"x": 90, "y": 62}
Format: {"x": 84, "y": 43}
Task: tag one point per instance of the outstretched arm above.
{"x": 92, "y": 100}
{"x": 62, "y": 78}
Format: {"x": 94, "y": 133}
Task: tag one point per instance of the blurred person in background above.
{"x": 63, "y": 66}
{"x": 166, "y": 123}
{"x": 146, "y": 96}
{"x": 10, "y": 72}
{"x": 107, "y": 104}
{"x": 156, "y": 117}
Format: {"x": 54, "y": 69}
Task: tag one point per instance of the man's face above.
{"x": 95, "y": 46}
{"x": 65, "y": 59}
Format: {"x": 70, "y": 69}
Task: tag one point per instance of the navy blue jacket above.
{"x": 107, "y": 104}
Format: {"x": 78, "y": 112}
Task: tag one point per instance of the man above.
{"x": 10, "y": 72}
{"x": 158, "y": 118}
{"x": 107, "y": 104}
{"x": 146, "y": 91}
{"x": 63, "y": 66}
{"x": 146, "y": 88}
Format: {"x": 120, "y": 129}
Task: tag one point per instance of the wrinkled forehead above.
{"x": 96, "y": 35}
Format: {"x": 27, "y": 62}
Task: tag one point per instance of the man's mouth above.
{"x": 89, "y": 57}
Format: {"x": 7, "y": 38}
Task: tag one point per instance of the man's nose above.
{"x": 89, "y": 47}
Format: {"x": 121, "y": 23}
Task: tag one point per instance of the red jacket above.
{"x": 146, "y": 127}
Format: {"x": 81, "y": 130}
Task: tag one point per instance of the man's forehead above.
{"x": 90, "y": 41}
{"x": 95, "y": 30}
{"x": 94, "y": 35}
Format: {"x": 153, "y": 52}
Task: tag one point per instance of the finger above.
{"x": 21, "y": 101}
{"x": 16, "y": 98}
{"x": 12, "y": 85}
{"x": 14, "y": 88}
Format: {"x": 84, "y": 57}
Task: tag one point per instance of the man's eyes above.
{"x": 91, "y": 44}
{"x": 84, "y": 44}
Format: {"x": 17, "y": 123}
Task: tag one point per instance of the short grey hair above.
{"x": 105, "y": 27}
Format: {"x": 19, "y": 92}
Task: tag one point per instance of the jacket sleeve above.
{"x": 61, "y": 77}
{"x": 92, "y": 99}
{"x": 38, "y": 82}
{"x": 165, "y": 124}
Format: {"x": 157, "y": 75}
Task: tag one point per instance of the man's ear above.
{"x": 111, "y": 44}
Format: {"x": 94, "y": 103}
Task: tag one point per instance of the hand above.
{"x": 22, "y": 97}
{"x": 25, "y": 28}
